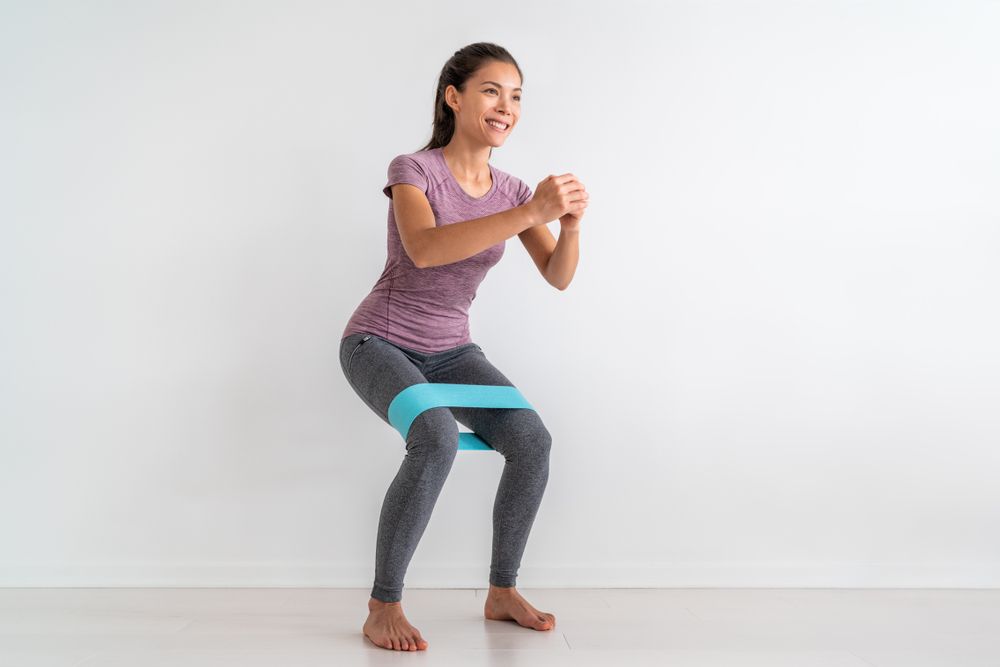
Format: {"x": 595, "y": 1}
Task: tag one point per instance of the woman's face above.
{"x": 492, "y": 93}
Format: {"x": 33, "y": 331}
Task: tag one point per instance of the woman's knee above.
{"x": 434, "y": 432}
{"x": 542, "y": 438}
{"x": 526, "y": 434}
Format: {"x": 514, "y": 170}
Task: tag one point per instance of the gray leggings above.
{"x": 378, "y": 370}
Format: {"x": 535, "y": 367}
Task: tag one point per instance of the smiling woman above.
{"x": 450, "y": 214}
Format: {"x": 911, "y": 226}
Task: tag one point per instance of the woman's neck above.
{"x": 469, "y": 164}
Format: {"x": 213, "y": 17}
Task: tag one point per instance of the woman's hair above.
{"x": 456, "y": 72}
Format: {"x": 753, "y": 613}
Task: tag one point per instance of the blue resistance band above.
{"x": 413, "y": 400}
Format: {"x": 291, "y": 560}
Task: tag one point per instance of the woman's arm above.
{"x": 455, "y": 242}
{"x": 428, "y": 245}
{"x": 562, "y": 264}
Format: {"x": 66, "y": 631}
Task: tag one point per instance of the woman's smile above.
{"x": 496, "y": 128}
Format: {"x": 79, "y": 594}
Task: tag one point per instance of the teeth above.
{"x": 499, "y": 126}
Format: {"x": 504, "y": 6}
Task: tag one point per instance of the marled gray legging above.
{"x": 377, "y": 370}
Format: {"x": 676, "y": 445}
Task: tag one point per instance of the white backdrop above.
{"x": 776, "y": 365}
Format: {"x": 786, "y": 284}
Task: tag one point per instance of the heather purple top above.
{"x": 427, "y": 310}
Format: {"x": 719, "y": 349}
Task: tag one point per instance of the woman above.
{"x": 449, "y": 217}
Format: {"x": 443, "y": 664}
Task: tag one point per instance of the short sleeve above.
{"x": 524, "y": 193}
{"x": 405, "y": 169}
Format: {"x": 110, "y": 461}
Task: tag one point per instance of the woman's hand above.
{"x": 570, "y": 222}
{"x": 562, "y": 197}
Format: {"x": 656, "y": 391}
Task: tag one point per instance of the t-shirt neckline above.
{"x": 477, "y": 200}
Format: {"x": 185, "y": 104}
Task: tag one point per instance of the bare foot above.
{"x": 506, "y": 604}
{"x": 387, "y": 627}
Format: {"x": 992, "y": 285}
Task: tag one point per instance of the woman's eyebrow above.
{"x": 496, "y": 84}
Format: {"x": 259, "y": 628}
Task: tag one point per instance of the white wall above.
{"x": 776, "y": 366}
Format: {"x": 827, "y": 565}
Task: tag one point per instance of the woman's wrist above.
{"x": 533, "y": 214}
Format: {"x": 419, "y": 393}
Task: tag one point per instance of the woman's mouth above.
{"x": 497, "y": 127}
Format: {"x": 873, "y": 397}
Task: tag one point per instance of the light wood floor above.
{"x": 285, "y": 627}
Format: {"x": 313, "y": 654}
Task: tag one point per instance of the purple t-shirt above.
{"x": 427, "y": 310}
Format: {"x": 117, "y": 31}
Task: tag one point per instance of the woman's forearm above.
{"x": 460, "y": 240}
{"x": 565, "y": 256}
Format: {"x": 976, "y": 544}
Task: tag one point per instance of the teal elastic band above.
{"x": 413, "y": 400}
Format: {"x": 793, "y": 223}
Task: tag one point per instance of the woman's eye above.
{"x": 518, "y": 98}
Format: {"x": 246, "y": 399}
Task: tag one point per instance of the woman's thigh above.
{"x": 504, "y": 429}
{"x": 377, "y": 370}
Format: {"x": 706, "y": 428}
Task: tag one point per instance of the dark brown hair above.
{"x": 456, "y": 72}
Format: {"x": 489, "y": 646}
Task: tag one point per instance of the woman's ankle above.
{"x": 501, "y": 590}
{"x": 375, "y": 602}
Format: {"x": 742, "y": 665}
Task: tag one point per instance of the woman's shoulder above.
{"x": 424, "y": 158}
{"x": 419, "y": 168}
